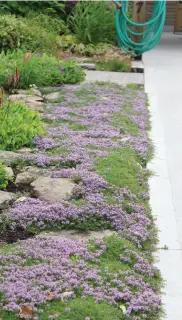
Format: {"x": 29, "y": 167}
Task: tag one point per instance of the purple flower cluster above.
{"x": 60, "y": 268}
{"x": 39, "y": 267}
{"x": 94, "y": 110}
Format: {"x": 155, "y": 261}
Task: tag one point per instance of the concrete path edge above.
{"x": 168, "y": 261}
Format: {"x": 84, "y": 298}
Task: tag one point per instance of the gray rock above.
{"x": 34, "y": 102}
{"x": 25, "y": 98}
{"x": 36, "y": 106}
{"x": 52, "y": 190}
{"x": 30, "y": 92}
{"x": 9, "y": 172}
{"x": 24, "y": 178}
{"x": 88, "y": 66}
{"x": 25, "y": 150}
{"x": 53, "y": 96}
{"x": 74, "y": 235}
{"x": 29, "y": 174}
{"x": 6, "y": 198}
{"x": 8, "y": 156}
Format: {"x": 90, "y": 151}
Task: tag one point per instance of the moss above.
{"x": 125, "y": 124}
{"x": 121, "y": 169}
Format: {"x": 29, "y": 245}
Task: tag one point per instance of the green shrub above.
{"x": 54, "y": 25}
{"x": 19, "y": 126}
{"x": 3, "y": 177}
{"x": 24, "y": 33}
{"x": 93, "y": 22}
{"x": 53, "y": 8}
{"x": 41, "y": 70}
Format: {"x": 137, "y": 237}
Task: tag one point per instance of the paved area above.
{"x": 163, "y": 75}
{"x": 118, "y": 77}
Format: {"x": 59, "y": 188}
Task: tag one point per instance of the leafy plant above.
{"x": 18, "y": 32}
{"x": 93, "y": 21}
{"x": 53, "y": 8}
{"x": 19, "y": 126}
{"x": 3, "y": 176}
{"x": 39, "y": 69}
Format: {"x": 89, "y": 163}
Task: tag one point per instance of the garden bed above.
{"x": 96, "y": 144}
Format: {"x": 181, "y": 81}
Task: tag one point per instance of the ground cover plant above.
{"x": 38, "y": 69}
{"x": 97, "y": 136}
{"x": 19, "y": 125}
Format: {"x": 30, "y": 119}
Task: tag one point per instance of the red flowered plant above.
{"x": 1, "y": 96}
{"x": 13, "y": 81}
{"x": 16, "y": 76}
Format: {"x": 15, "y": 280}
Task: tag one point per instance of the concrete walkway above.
{"x": 163, "y": 83}
{"x": 117, "y": 77}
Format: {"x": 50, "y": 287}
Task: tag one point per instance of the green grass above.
{"x": 77, "y": 127}
{"x": 73, "y": 125}
{"x": 57, "y": 151}
{"x": 125, "y": 124}
{"x": 113, "y": 65}
{"x": 135, "y": 86}
{"x": 121, "y": 168}
{"x": 79, "y": 310}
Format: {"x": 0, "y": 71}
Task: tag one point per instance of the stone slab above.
{"x": 117, "y": 77}
{"x": 75, "y": 235}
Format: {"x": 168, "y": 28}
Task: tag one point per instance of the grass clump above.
{"x": 93, "y": 21}
{"x": 125, "y": 124}
{"x": 114, "y": 64}
{"x": 41, "y": 70}
{"x": 19, "y": 125}
{"x": 121, "y": 168}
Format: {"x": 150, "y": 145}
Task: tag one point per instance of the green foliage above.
{"x": 53, "y": 8}
{"x": 114, "y": 65}
{"x": 39, "y": 70}
{"x": 51, "y": 24}
{"x": 93, "y": 21}
{"x": 19, "y": 126}
{"x": 3, "y": 177}
{"x": 22, "y": 33}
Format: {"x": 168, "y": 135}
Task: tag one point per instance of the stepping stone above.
{"x": 6, "y": 198}
{"x": 75, "y": 235}
{"x": 52, "y": 190}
